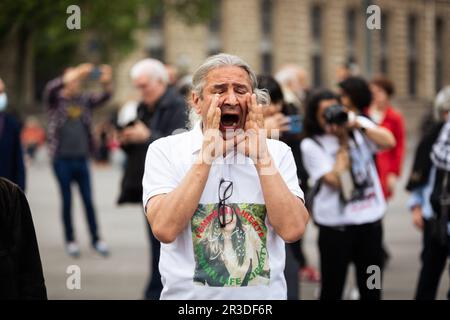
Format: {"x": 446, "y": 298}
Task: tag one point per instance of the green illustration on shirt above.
{"x": 235, "y": 255}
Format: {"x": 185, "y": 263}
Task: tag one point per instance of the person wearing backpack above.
{"x": 421, "y": 184}
{"x": 348, "y": 202}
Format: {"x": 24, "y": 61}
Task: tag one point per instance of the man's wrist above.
{"x": 264, "y": 162}
{"x": 203, "y": 161}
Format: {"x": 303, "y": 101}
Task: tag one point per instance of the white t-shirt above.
{"x": 367, "y": 203}
{"x": 244, "y": 260}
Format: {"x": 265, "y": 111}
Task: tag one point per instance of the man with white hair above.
{"x": 222, "y": 198}
{"x": 160, "y": 112}
{"x": 294, "y": 82}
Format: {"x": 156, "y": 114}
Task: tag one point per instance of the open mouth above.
{"x": 229, "y": 121}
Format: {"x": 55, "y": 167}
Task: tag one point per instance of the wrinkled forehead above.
{"x": 228, "y": 75}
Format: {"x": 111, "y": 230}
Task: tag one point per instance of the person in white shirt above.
{"x": 222, "y": 198}
{"x": 348, "y": 202}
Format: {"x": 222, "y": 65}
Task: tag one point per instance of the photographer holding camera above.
{"x": 348, "y": 201}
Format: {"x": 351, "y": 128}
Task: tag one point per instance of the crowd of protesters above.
{"x": 347, "y": 145}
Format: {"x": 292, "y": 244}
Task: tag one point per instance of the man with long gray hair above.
{"x": 222, "y": 198}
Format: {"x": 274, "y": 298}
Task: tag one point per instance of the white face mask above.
{"x": 3, "y": 101}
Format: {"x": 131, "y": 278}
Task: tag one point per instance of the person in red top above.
{"x": 388, "y": 162}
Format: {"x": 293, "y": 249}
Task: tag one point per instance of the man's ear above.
{"x": 195, "y": 98}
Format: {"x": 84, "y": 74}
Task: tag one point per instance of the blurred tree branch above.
{"x": 40, "y": 25}
{"x": 113, "y": 21}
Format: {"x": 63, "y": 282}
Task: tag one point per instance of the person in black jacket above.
{"x": 21, "y": 275}
{"x": 12, "y": 165}
{"x": 160, "y": 112}
{"x": 421, "y": 184}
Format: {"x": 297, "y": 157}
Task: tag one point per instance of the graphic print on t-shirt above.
{"x": 364, "y": 187}
{"x": 235, "y": 255}
{"x": 74, "y": 111}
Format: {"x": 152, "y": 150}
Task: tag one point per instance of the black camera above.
{"x": 336, "y": 114}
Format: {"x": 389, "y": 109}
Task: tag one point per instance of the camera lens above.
{"x": 336, "y": 114}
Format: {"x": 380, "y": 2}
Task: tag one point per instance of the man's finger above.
{"x": 254, "y": 107}
{"x": 211, "y": 110}
{"x": 259, "y": 115}
{"x": 250, "y": 110}
{"x": 216, "y": 118}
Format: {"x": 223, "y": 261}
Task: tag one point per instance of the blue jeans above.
{"x": 75, "y": 170}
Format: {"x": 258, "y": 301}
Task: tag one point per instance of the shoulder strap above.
{"x": 317, "y": 142}
{"x": 309, "y": 198}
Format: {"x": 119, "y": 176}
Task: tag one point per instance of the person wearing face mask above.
{"x": 348, "y": 202}
{"x": 12, "y": 164}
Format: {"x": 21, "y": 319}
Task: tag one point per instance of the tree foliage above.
{"x": 110, "y": 23}
{"x": 106, "y": 27}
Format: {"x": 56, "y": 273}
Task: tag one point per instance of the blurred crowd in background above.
{"x": 309, "y": 118}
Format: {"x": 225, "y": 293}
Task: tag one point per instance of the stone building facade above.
{"x": 412, "y": 47}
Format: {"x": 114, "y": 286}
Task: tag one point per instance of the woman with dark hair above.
{"x": 348, "y": 203}
{"x": 355, "y": 94}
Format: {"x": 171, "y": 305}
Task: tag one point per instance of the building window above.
{"x": 384, "y": 45}
{"x": 215, "y": 27}
{"x": 266, "y": 36}
{"x": 316, "y": 22}
{"x": 439, "y": 53}
{"x": 412, "y": 55}
{"x": 351, "y": 28}
{"x": 316, "y": 33}
{"x": 155, "y": 47}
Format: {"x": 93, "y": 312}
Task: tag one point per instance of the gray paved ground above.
{"x": 124, "y": 274}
